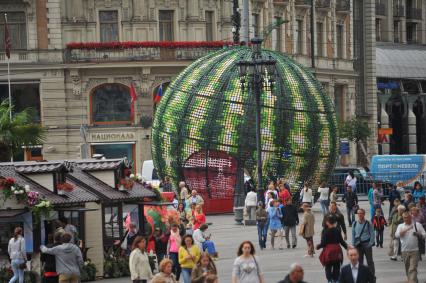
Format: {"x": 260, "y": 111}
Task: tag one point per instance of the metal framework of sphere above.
{"x": 204, "y": 126}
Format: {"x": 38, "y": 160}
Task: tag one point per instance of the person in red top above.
{"x": 284, "y": 193}
{"x": 199, "y": 217}
{"x": 379, "y": 223}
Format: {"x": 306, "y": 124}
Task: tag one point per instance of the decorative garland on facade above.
{"x": 146, "y": 44}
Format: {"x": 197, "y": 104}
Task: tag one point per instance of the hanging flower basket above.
{"x": 10, "y": 188}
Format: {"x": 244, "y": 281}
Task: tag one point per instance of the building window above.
{"x": 108, "y": 26}
{"x": 23, "y": 96}
{"x": 111, "y": 222}
{"x": 110, "y": 104}
{"x": 411, "y": 32}
{"x": 378, "y": 30}
{"x": 340, "y": 47}
{"x": 256, "y": 24}
{"x": 299, "y": 37}
{"x": 165, "y": 19}
{"x": 396, "y": 32}
{"x": 209, "y": 25}
{"x": 279, "y": 34}
{"x": 320, "y": 42}
{"x": 114, "y": 150}
{"x": 17, "y": 24}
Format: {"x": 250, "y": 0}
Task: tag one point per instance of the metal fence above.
{"x": 365, "y": 182}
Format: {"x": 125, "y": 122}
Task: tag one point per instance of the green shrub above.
{"x": 88, "y": 273}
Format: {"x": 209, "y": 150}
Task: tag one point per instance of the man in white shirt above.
{"x": 409, "y": 233}
{"x": 250, "y": 204}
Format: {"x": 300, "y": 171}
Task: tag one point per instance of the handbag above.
{"x": 302, "y": 229}
{"x": 257, "y": 268}
{"x": 24, "y": 264}
{"x": 421, "y": 241}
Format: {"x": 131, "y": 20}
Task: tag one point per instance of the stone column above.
{"x": 42, "y": 31}
{"x": 384, "y": 120}
{"x": 412, "y": 130}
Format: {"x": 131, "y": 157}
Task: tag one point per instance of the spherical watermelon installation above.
{"x": 205, "y": 124}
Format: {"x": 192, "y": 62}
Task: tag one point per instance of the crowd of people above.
{"x": 185, "y": 250}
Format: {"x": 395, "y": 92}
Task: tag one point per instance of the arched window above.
{"x": 110, "y": 104}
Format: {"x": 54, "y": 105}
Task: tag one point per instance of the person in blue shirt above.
{"x": 417, "y": 191}
{"x": 275, "y": 215}
{"x": 363, "y": 239}
{"x": 371, "y": 201}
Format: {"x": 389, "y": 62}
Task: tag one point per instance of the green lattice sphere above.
{"x": 205, "y": 109}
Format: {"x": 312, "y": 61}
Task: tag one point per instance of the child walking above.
{"x": 379, "y": 223}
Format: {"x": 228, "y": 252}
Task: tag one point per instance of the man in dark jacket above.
{"x": 339, "y": 217}
{"x": 49, "y": 265}
{"x": 290, "y": 220}
{"x": 393, "y": 195}
{"x": 295, "y": 274}
{"x": 355, "y": 272}
{"x": 351, "y": 200}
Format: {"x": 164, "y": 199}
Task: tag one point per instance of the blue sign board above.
{"x": 394, "y": 168}
{"x": 344, "y": 147}
{"x": 388, "y": 85}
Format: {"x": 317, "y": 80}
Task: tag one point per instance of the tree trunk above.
{"x": 364, "y": 151}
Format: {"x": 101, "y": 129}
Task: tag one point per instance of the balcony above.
{"x": 398, "y": 11}
{"x": 380, "y": 9}
{"x": 343, "y": 6}
{"x": 32, "y": 56}
{"x": 139, "y": 51}
{"x": 414, "y": 13}
{"x": 323, "y": 4}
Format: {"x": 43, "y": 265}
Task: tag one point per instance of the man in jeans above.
{"x": 290, "y": 220}
{"x": 409, "y": 233}
{"x": 68, "y": 258}
{"x": 351, "y": 200}
{"x": 363, "y": 239}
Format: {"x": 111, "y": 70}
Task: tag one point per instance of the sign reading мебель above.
{"x": 112, "y": 137}
{"x": 395, "y": 168}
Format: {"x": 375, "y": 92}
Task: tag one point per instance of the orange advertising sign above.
{"x": 385, "y": 131}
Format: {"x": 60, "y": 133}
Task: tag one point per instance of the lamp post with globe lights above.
{"x": 258, "y": 74}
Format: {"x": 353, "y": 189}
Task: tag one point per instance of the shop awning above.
{"x": 401, "y": 61}
{"x": 7, "y": 213}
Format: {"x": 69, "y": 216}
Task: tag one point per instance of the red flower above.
{"x": 147, "y": 44}
{"x": 9, "y": 181}
{"x": 66, "y": 187}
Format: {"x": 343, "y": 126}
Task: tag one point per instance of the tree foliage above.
{"x": 355, "y": 129}
{"x": 18, "y": 132}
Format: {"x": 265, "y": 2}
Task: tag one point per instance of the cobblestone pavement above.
{"x": 275, "y": 263}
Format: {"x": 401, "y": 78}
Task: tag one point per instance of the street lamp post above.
{"x": 255, "y": 72}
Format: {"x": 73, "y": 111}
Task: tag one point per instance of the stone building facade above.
{"x": 82, "y": 94}
{"x": 400, "y": 27}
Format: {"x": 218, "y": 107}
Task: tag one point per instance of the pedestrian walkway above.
{"x": 275, "y": 263}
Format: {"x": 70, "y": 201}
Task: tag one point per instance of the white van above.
{"x": 149, "y": 173}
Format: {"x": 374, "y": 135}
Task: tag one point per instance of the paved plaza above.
{"x": 275, "y": 263}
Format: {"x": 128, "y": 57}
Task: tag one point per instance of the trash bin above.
{"x": 238, "y": 213}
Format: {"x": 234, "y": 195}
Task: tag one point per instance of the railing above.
{"x": 32, "y": 56}
{"x": 380, "y": 9}
{"x": 414, "y": 13}
{"x": 343, "y": 6}
{"x": 139, "y": 51}
{"x": 398, "y": 11}
{"x": 323, "y": 4}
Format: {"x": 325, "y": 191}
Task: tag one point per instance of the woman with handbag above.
{"x": 306, "y": 229}
{"x": 18, "y": 255}
{"x": 246, "y": 266}
{"x": 331, "y": 256}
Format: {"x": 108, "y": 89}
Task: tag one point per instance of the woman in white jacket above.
{"x": 140, "y": 270}
{"x": 306, "y": 195}
{"x": 18, "y": 255}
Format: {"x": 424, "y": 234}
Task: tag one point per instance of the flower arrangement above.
{"x": 42, "y": 208}
{"x": 137, "y": 178}
{"x": 88, "y": 272}
{"x": 125, "y": 184}
{"x": 146, "y": 44}
{"x": 64, "y": 187}
{"x": 10, "y": 188}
